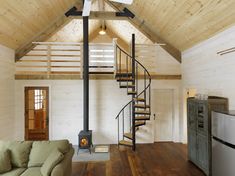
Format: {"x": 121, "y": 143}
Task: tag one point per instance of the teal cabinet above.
{"x": 192, "y": 145}
{"x": 192, "y": 109}
{"x": 199, "y": 129}
{"x": 203, "y": 153}
{"x": 202, "y": 118}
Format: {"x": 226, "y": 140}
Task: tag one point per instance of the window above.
{"x": 38, "y": 98}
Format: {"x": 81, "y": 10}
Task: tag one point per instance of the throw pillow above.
{"x": 53, "y": 159}
{"x": 5, "y": 161}
{"x": 42, "y": 149}
{"x": 20, "y": 153}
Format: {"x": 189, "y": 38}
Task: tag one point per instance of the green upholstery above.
{"x": 19, "y": 152}
{"x": 37, "y": 152}
{"x": 42, "y": 149}
{"x": 64, "y": 168}
{"x": 33, "y": 171}
{"x": 5, "y": 161}
{"x": 14, "y": 172}
{"x": 53, "y": 159}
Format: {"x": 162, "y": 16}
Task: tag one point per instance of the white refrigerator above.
{"x": 223, "y": 144}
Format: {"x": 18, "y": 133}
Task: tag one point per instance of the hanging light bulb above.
{"x": 102, "y": 30}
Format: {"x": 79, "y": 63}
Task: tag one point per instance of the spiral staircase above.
{"x": 135, "y": 78}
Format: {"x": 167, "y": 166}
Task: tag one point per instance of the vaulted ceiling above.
{"x": 178, "y": 23}
{"x": 20, "y": 20}
{"x": 184, "y": 23}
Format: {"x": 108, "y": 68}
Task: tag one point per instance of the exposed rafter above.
{"x": 96, "y": 15}
{"x": 46, "y": 33}
{"x": 141, "y": 26}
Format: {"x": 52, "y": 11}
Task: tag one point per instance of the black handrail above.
{"x": 132, "y": 75}
{"x": 145, "y": 89}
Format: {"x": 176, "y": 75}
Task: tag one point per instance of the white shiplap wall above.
{"x": 106, "y": 100}
{"x": 66, "y": 108}
{"x": 7, "y": 71}
{"x": 208, "y": 72}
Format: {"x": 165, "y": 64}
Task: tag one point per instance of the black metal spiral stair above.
{"x": 135, "y": 78}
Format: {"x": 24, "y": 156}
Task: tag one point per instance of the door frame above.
{"x": 48, "y": 107}
{"x": 173, "y": 115}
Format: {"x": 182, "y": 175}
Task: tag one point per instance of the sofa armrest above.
{"x": 64, "y": 168}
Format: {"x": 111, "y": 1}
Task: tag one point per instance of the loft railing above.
{"x": 50, "y": 58}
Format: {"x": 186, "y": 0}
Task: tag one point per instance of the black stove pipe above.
{"x": 86, "y": 73}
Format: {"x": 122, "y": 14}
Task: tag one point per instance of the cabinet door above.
{"x": 192, "y": 146}
{"x": 202, "y": 118}
{"x": 191, "y": 113}
{"x": 202, "y": 153}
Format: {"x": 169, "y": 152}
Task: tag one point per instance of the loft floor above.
{"x": 158, "y": 159}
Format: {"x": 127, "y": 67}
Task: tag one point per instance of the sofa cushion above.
{"x": 42, "y": 149}
{"x": 33, "y": 171}
{"x": 53, "y": 159}
{"x": 5, "y": 161}
{"x": 19, "y": 152}
{"x": 14, "y": 172}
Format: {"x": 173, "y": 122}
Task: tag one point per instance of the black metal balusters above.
{"x": 131, "y": 75}
{"x": 123, "y": 125}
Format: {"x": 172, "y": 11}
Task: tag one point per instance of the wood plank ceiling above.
{"x": 184, "y": 23}
{"x": 72, "y": 32}
{"x": 20, "y": 20}
{"x": 181, "y": 23}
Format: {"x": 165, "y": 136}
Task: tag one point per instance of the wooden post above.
{"x": 48, "y": 61}
{"x": 115, "y": 56}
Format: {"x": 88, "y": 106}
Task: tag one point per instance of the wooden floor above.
{"x": 159, "y": 159}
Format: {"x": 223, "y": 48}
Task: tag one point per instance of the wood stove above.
{"x": 85, "y": 140}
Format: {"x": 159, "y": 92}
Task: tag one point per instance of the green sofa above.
{"x": 39, "y": 158}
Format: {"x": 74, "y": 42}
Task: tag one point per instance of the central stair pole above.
{"x": 133, "y": 89}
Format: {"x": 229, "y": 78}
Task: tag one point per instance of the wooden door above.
{"x": 36, "y": 113}
{"x": 163, "y": 108}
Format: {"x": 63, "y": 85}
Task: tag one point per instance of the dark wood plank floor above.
{"x": 159, "y": 159}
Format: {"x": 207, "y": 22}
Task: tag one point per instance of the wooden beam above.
{"x": 76, "y": 76}
{"x": 45, "y": 33}
{"x": 98, "y": 15}
{"x": 139, "y": 23}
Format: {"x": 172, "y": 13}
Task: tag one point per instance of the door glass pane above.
{"x": 36, "y": 113}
